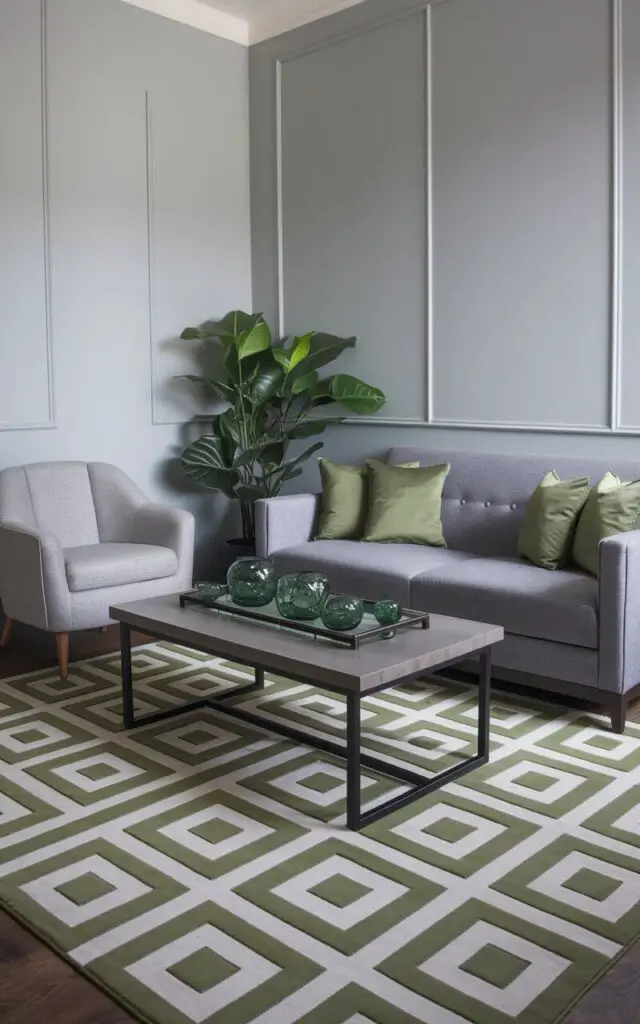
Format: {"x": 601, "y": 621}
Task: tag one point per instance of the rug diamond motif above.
{"x": 199, "y": 869}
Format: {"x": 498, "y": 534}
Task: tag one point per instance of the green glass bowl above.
{"x": 342, "y": 613}
{"x": 387, "y": 612}
{"x": 300, "y": 595}
{"x": 209, "y": 592}
{"x": 252, "y": 582}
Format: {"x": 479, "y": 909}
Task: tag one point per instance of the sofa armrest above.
{"x": 168, "y": 528}
{"x": 285, "y": 522}
{"x": 619, "y": 577}
{"x": 33, "y": 581}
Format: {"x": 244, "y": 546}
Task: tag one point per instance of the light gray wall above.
{"x": 124, "y": 216}
{"x": 445, "y": 181}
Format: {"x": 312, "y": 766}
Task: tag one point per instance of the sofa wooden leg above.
{"x": 62, "y": 645}
{"x": 619, "y": 715}
{"x": 6, "y": 633}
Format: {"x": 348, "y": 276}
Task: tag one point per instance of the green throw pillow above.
{"x": 549, "y": 520}
{"x": 405, "y": 505}
{"x": 344, "y": 504}
{"x": 612, "y": 507}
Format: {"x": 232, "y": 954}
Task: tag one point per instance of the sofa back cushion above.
{"x": 485, "y": 494}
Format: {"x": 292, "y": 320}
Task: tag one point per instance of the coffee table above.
{"x": 354, "y": 674}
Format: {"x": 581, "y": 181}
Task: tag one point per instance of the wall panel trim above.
{"x": 50, "y": 422}
{"x": 151, "y": 265}
{"x": 428, "y": 82}
{"x": 617, "y": 213}
{"x": 324, "y": 44}
{"x": 425, "y": 10}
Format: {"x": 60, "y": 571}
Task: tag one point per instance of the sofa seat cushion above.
{"x": 526, "y": 600}
{"x": 370, "y": 571}
{"x": 94, "y": 566}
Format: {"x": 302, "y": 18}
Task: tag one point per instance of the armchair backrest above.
{"x": 80, "y": 503}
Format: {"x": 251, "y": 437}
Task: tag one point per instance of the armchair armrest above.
{"x": 285, "y": 522}
{"x": 619, "y": 577}
{"x": 168, "y": 528}
{"x": 33, "y": 581}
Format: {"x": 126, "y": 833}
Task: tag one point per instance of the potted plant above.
{"x": 270, "y": 392}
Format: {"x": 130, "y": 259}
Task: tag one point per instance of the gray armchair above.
{"x": 77, "y": 537}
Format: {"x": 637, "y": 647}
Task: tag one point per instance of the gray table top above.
{"x": 375, "y": 665}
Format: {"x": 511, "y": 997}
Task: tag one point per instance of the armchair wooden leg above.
{"x": 6, "y": 633}
{"x": 62, "y": 645}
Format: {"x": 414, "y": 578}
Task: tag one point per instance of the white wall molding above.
{"x": 50, "y": 422}
{"x": 429, "y": 255}
{"x": 151, "y": 268}
{"x": 615, "y": 348}
{"x": 617, "y": 212}
{"x": 198, "y": 15}
{"x": 425, "y": 9}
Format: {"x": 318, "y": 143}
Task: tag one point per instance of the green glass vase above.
{"x": 342, "y": 613}
{"x": 301, "y": 595}
{"x": 252, "y": 582}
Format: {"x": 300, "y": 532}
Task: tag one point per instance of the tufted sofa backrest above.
{"x": 485, "y": 494}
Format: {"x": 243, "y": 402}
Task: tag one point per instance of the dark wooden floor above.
{"x": 36, "y": 985}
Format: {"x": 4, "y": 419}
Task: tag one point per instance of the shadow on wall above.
{"x": 217, "y": 519}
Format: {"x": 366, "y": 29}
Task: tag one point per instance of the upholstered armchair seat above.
{"x": 76, "y": 538}
{"x": 93, "y": 566}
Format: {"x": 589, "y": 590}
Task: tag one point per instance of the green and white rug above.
{"x": 199, "y": 870}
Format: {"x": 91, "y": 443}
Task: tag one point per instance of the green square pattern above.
{"x": 535, "y": 781}
{"x": 340, "y": 891}
{"x": 85, "y": 889}
{"x": 448, "y": 830}
{"x": 592, "y": 884}
{"x": 496, "y": 966}
{"x": 203, "y": 970}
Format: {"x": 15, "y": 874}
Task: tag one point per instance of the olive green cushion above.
{"x": 612, "y": 507}
{"x": 344, "y": 503}
{"x": 405, "y": 505}
{"x": 550, "y": 518}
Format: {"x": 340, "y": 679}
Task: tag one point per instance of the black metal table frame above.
{"x": 351, "y": 752}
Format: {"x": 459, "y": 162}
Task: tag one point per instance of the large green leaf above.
{"x": 301, "y": 385}
{"x": 272, "y": 456}
{"x": 266, "y": 452}
{"x": 293, "y": 463}
{"x": 281, "y": 356}
{"x": 218, "y": 388}
{"x": 231, "y": 365}
{"x": 225, "y": 427}
{"x": 204, "y": 461}
{"x": 276, "y": 483}
{"x": 231, "y": 326}
{"x": 267, "y": 384}
{"x": 355, "y": 395}
{"x": 323, "y": 349}
{"x": 300, "y": 350}
{"x": 249, "y": 343}
{"x": 310, "y": 428}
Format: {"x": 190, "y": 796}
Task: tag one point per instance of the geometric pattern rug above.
{"x": 199, "y": 869}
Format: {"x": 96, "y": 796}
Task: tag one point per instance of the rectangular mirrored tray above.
{"x": 369, "y": 628}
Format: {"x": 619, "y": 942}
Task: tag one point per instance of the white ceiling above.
{"x": 245, "y": 21}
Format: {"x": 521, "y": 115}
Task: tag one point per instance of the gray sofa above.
{"x": 565, "y": 630}
{"x": 77, "y": 537}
